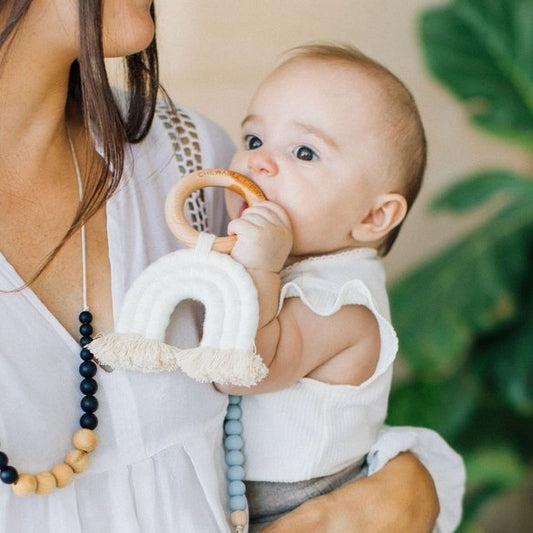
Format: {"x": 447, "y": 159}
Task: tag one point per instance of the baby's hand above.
{"x": 264, "y": 237}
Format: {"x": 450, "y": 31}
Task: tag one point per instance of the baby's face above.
{"x": 311, "y": 141}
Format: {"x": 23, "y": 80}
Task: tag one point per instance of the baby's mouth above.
{"x": 242, "y": 207}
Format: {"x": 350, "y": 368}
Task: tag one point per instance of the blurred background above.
{"x": 460, "y": 276}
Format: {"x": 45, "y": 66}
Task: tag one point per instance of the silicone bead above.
{"x": 238, "y": 518}
{"x": 237, "y": 503}
{"x": 86, "y": 354}
{"x": 88, "y": 421}
{"x": 89, "y": 404}
{"x": 85, "y": 317}
{"x": 233, "y": 427}
{"x": 9, "y": 474}
{"x": 236, "y": 488}
{"x": 85, "y": 439}
{"x": 233, "y": 442}
{"x": 86, "y": 329}
{"x": 3, "y": 460}
{"x": 234, "y": 457}
{"x": 85, "y": 340}
{"x": 234, "y": 412}
{"x": 87, "y": 369}
{"x": 77, "y": 460}
{"x": 25, "y": 485}
{"x": 46, "y": 483}
{"x": 63, "y": 474}
{"x": 234, "y": 400}
{"x": 88, "y": 386}
{"x": 235, "y": 473}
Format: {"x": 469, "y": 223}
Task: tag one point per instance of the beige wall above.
{"x": 213, "y": 53}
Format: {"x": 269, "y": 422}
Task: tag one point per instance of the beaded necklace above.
{"x": 84, "y": 440}
{"x": 234, "y": 457}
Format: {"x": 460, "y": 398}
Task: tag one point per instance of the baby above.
{"x": 336, "y": 143}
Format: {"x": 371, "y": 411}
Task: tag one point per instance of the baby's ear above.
{"x": 387, "y": 212}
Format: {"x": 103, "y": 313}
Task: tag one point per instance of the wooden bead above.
{"x": 46, "y": 483}
{"x": 63, "y": 474}
{"x": 85, "y": 439}
{"x": 25, "y": 485}
{"x": 238, "y": 518}
{"x": 77, "y": 460}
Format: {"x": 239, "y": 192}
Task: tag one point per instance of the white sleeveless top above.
{"x": 313, "y": 429}
{"x": 159, "y": 466}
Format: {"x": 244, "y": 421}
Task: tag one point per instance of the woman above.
{"x": 159, "y": 465}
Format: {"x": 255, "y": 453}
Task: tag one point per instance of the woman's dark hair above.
{"x": 90, "y": 92}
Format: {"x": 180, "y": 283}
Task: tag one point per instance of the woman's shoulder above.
{"x": 178, "y": 129}
{"x": 190, "y": 135}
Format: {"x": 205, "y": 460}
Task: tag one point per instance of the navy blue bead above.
{"x": 9, "y": 475}
{"x": 86, "y": 330}
{"x": 84, "y": 341}
{"x": 86, "y": 354}
{"x": 88, "y": 386}
{"x": 89, "y": 404}
{"x": 85, "y": 317}
{"x": 3, "y": 460}
{"x": 87, "y": 369}
{"x": 88, "y": 421}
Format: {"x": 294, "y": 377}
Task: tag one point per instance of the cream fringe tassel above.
{"x": 205, "y": 364}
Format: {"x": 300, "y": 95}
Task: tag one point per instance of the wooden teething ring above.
{"x": 214, "y": 177}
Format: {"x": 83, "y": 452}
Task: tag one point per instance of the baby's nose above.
{"x": 261, "y": 162}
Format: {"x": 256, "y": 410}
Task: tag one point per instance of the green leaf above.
{"x": 514, "y": 371}
{"x": 478, "y": 188}
{"x": 499, "y": 467}
{"x": 506, "y": 359}
{"x": 471, "y": 288}
{"x": 444, "y": 406}
{"x": 482, "y": 50}
{"x": 491, "y": 470}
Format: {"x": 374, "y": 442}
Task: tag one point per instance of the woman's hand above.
{"x": 400, "y": 498}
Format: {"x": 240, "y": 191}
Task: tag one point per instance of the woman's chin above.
{"x": 132, "y": 41}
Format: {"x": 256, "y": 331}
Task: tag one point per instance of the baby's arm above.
{"x": 341, "y": 348}
{"x": 264, "y": 241}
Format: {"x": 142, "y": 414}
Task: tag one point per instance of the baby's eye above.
{"x": 252, "y": 142}
{"x": 305, "y": 153}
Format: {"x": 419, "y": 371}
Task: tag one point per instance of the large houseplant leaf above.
{"x": 482, "y": 50}
{"x": 490, "y": 470}
{"x": 472, "y": 287}
{"x": 444, "y": 405}
{"x": 505, "y": 360}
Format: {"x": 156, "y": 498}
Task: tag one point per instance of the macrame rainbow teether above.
{"x": 226, "y": 353}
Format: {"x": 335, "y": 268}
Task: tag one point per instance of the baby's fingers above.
{"x": 270, "y": 211}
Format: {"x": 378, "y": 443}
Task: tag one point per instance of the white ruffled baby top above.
{"x": 313, "y": 428}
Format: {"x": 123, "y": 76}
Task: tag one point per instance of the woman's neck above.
{"x": 33, "y": 89}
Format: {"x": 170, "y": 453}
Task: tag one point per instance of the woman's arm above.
{"x": 401, "y": 497}
{"x": 414, "y": 479}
